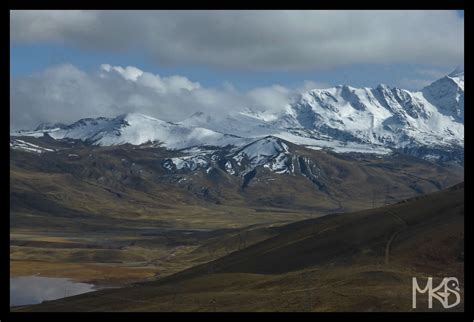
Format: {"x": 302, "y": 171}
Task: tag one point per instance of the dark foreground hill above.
{"x": 360, "y": 261}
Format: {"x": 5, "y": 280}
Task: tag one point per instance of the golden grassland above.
{"x": 362, "y": 261}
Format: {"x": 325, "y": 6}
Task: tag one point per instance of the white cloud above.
{"x": 129, "y": 72}
{"x": 309, "y": 84}
{"x": 256, "y": 40}
{"x": 65, "y": 93}
{"x": 273, "y": 97}
{"x": 173, "y": 84}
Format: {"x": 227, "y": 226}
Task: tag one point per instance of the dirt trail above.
{"x": 394, "y": 235}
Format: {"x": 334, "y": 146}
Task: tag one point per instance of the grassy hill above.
{"x": 360, "y": 261}
{"x": 115, "y": 215}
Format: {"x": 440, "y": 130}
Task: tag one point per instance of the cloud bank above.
{"x": 255, "y": 40}
{"x": 65, "y": 93}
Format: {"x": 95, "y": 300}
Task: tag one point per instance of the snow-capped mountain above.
{"x": 393, "y": 117}
{"x": 270, "y": 153}
{"x": 135, "y": 129}
{"x": 447, "y": 94}
{"x": 427, "y": 124}
{"x": 244, "y": 124}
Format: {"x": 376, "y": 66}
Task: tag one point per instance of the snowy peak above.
{"x": 136, "y": 129}
{"x": 392, "y": 117}
{"x": 260, "y": 151}
{"x": 240, "y": 124}
{"x": 447, "y": 94}
{"x": 269, "y": 152}
{"x": 458, "y": 78}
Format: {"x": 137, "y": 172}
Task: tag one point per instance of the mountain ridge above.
{"x": 427, "y": 124}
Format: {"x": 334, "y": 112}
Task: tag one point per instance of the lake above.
{"x": 26, "y": 290}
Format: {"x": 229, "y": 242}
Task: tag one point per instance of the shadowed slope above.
{"x": 334, "y": 263}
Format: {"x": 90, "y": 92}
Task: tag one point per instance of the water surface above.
{"x": 26, "y": 290}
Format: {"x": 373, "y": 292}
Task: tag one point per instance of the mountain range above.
{"x": 328, "y": 140}
{"x": 382, "y": 120}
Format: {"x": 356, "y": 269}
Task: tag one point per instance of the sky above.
{"x": 66, "y": 65}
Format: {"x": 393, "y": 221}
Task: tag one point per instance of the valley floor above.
{"x": 361, "y": 261}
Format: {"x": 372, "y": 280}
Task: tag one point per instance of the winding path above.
{"x": 394, "y": 235}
